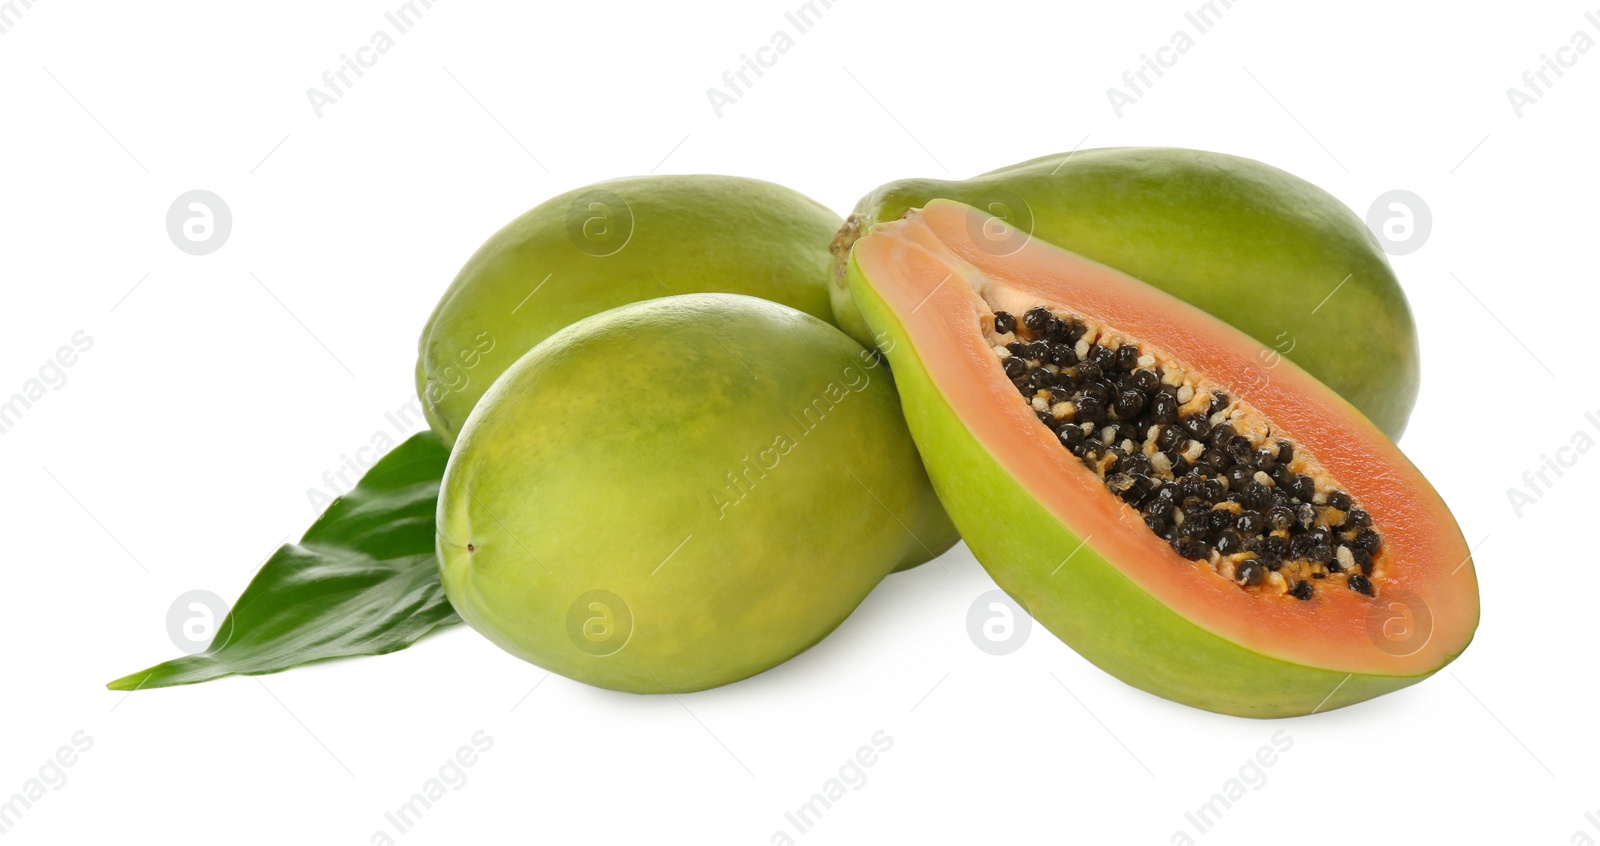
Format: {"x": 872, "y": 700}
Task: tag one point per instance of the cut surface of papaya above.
{"x": 1203, "y": 521}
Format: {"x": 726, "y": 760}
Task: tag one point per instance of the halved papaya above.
{"x": 1203, "y": 521}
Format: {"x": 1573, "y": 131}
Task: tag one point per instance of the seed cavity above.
{"x": 1204, "y": 472}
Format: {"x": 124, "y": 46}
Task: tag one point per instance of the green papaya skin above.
{"x": 1264, "y": 250}
{"x": 608, "y": 245}
{"x": 748, "y": 486}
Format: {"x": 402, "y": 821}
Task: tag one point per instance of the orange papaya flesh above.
{"x": 1085, "y": 563}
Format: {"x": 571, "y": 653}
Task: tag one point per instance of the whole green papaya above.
{"x": 1264, "y": 250}
{"x": 611, "y": 244}
{"x": 705, "y": 523}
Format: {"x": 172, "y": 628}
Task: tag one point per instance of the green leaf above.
{"x": 363, "y": 581}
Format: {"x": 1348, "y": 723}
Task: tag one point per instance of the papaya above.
{"x": 611, "y": 244}
{"x": 679, "y": 493}
{"x": 1203, "y": 525}
{"x": 1263, "y": 250}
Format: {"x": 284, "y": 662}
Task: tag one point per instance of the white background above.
{"x": 220, "y": 388}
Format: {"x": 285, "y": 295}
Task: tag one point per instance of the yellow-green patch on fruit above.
{"x": 680, "y": 493}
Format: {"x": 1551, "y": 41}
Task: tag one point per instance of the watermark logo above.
{"x": 1251, "y": 777}
{"x": 193, "y": 618}
{"x": 599, "y": 222}
{"x": 599, "y": 623}
{"x": 736, "y": 81}
{"x": 737, "y": 484}
{"x": 1537, "y": 81}
{"x": 11, "y": 12}
{"x": 1138, "y": 81}
{"x": 449, "y": 778}
{"x": 1282, "y": 344}
{"x": 1581, "y": 837}
{"x": 1401, "y": 221}
{"x": 1399, "y": 623}
{"x": 52, "y": 376}
{"x": 340, "y": 480}
{"x": 1008, "y": 226}
{"x": 741, "y": 482}
{"x": 851, "y": 777}
{"x": 51, "y": 777}
{"x": 199, "y": 222}
{"x": 997, "y": 624}
{"x": 337, "y": 81}
{"x": 446, "y": 375}
{"x": 1538, "y": 482}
